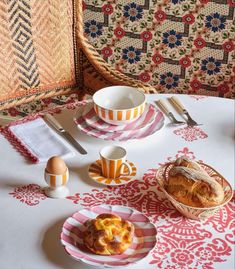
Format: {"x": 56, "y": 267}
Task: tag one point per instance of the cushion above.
{"x": 177, "y": 46}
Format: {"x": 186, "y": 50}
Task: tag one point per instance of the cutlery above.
{"x": 5, "y": 120}
{"x": 181, "y": 109}
{"x": 9, "y": 118}
{"x": 64, "y": 133}
{"x": 165, "y": 110}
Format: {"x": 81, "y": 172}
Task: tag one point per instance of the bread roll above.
{"x": 108, "y": 234}
{"x": 190, "y": 184}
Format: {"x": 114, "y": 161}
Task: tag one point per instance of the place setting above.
{"x": 115, "y": 113}
{"x": 119, "y": 113}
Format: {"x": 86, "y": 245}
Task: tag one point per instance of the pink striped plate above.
{"x": 94, "y": 121}
{"x": 155, "y": 126}
{"x": 145, "y": 237}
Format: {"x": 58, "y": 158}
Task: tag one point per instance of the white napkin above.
{"x": 41, "y": 140}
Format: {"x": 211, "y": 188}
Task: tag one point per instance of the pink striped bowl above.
{"x": 145, "y": 237}
{"x": 119, "y": 105}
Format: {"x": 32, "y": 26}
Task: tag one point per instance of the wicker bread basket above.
{"x": 190, "y": 212}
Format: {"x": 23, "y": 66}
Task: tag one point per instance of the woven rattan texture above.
{"x": 175, "y": 45}
{"x": 37, "y": 49}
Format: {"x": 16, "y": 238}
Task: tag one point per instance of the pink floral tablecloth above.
{"x": 31, "y": 222}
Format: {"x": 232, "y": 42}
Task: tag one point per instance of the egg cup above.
{"x": 57, "y": 188}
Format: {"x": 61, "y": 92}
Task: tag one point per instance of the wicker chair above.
{"x": 69, "y": 48}
{"x": 177, "y": 46}
{"x": 43, "y": 53}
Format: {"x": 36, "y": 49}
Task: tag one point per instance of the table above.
{"x": 31, "y": 223}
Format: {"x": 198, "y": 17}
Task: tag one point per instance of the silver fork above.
{"x": 165, "y": 110}
{"x": 181, "y": 109}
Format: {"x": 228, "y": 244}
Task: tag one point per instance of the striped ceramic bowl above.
{"x": 197, "y": 213}
{"x": 119, "y": 105}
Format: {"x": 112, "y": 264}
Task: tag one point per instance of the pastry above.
{"x": 108, "y": 234}
{"x": 191, "y": 185}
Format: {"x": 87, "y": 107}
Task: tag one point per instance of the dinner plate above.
{"x": 94, "y": 121}
{"x": 144, "y": 240}
{"x": 155, "y": 126}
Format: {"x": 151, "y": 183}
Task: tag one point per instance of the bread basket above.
{"x": 197, "y": 213}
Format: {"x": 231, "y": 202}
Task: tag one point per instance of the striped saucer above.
{"x": 95, "y": 173}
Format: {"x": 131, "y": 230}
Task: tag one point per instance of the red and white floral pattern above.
{"x": 31, "y": 194}
{"x": 191, "y": 133}
{"x": 182, "y": 243}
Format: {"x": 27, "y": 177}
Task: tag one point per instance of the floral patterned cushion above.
{"x": 175, "y": 45}
{"x": 38, "y": 105}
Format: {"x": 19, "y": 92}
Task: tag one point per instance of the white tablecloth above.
{"x": 31, "y": 223}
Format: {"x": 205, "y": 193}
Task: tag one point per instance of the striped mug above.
{"x": 113, "y": 162}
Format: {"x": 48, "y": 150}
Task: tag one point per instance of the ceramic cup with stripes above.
{"x": 57, "y": 188}
{"x": 113, "y": 162}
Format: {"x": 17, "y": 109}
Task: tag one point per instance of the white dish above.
{"x": 94, "y": 121}
{"x": 143, "y": 242}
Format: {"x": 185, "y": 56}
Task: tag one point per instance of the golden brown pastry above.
{"x": 190, "y": 184}
{"x": 108, "y": 234}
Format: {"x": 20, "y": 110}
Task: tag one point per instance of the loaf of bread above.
{"x": 191, "y": 185}
{"x": 108, "y": 234}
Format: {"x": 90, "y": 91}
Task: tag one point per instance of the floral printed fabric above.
{"x": 175, "y": 45}
{"x": 39, "y": 105}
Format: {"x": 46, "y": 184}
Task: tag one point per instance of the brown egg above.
{"x": 55, "y": 165}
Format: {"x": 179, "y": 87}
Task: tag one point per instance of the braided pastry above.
{"x": 190, "y": 184}
{"x": 108, "y": 234}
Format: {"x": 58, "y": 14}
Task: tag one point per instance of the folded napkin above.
{"x": 37, "y": 141}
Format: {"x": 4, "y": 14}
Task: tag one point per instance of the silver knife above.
{"x": 65, "y": 134}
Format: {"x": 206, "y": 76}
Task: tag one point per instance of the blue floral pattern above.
{"x": 172, "y": 39}
{"x": 133, "y": 11}
{"x": 147, "y": 39}
{"x": 211, "y": 65}
{"x": 93, "y": 28}
{"x": 169, "y": 80}
{"x": 176, "y": 1}
{"x": 215, "y": 22}
{"x": 131, "y": 54}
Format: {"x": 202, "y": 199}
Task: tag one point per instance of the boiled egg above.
{"x": 56, "y": 166}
